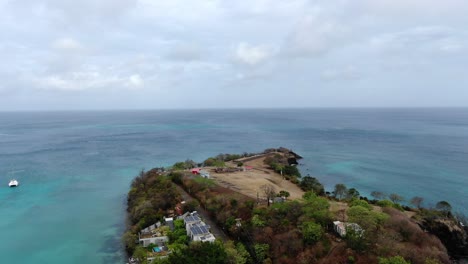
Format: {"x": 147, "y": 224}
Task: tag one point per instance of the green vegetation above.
{"x": 279, "y": 163}
{"x": 393, "y": 260}
{"x": 188, "y": 164}
{"x": 151, "y": 195}
{"x": 362, "y": 203}
{"x": 295, "y": 231}
{"x": 444, "y": 207}
{"x": 311, "y": 232}
{"x": 340, "y": 191}
{"x": 178, "y": 237}
{"x": 312, "y": 184}
{"x": 214, "y": 162}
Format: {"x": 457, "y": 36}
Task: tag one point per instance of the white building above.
{"x": 159, "y": 241}
{"x": 197, "y": 230}
{"x": 341, "y": 227}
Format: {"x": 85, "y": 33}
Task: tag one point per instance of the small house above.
{"x": 341, "y": 227}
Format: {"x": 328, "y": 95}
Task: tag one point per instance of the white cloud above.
{"x": 251, "y": 54}
{"x": 76, "y": 81}
{"x": 422, "y": 7}
{"x": 313, "y": 35}
{"x": 92, "y": 78}
{"x": 67, "y": 44}
{"x": 136, "y": 80}
{"x": 116, "y": 46}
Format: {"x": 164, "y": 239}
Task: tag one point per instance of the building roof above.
{"x": 199, "y": 230}
{"x": 192, "y": 218}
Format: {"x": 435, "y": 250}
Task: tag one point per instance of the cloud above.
{"x": 420, "y": 39}
{"x": 312, "y": 36}
{"x": 76, "y": 81}
{"x": 136, "y": 80}
{"x": 185, "y": 52}
{"x": 422, "y": 7}
{"x": 124, "y": 47}
{"x": 347, "y": 73}
{"x": 251, "y": 54}
{"x": 67, "y": 44}
{"x": 92, "y": 78}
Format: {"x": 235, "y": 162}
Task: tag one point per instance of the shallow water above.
{"x": 75, "y": 167}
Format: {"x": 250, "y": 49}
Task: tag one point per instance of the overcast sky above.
{"x": 143, "y": 54}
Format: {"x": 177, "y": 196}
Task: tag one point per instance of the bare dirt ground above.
{"x": 249, "y": 182}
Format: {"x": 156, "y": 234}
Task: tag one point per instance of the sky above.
{"x": 152, "y": 54}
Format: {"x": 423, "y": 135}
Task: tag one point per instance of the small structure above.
{"x": 196, "y": 171}
{"x": 278, "y": 200}
{"x": 154, "y": 234}
{"x": 157, "y": 240}
{"x": 200, "y": 232}
{"x": 169, "y": 222}
{"x": 151, "y": 228}
{"x": 204, "y": 174}
{"x": 197, "y": 230}
{"x": 341, "y": 227}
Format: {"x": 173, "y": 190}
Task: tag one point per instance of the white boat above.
{"x": 13, "y": 183}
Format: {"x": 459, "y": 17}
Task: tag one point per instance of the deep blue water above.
{"x": 75, "y": 167}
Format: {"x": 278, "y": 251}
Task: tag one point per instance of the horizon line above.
{"x": 231, "y": 108}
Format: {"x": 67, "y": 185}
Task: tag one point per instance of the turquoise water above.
{"x": 75, "y": 167}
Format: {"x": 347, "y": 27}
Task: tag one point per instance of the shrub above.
{"x": 393, "y": 260}
{"x": 311, "y": 232}
{"x": 357, "y": 202}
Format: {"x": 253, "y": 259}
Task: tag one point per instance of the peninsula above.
{"x": 258, "y": 208}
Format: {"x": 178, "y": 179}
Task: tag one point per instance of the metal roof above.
{"x": 192, "y": 218}
{"x": 199, "y": 229}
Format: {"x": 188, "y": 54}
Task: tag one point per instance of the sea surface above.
{"x": 75, "y": 167}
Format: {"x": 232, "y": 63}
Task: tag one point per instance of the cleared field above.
{"x": 249, "y": 182}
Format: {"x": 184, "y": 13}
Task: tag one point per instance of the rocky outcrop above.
{"x": 452, "y": 234}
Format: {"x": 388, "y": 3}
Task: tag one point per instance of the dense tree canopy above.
{"x": 312, "y": 184}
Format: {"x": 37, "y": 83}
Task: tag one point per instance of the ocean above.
{"x": 75, "y": 168}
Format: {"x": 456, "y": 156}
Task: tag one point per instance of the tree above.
{"x": 237, "y": 254}
{"x": 352, "y": 193}
{"x": 311, "y": 232}
{"x": 190, "y": 206}
{"x": 367, "y": 219}
{"x": 284, "y": 194}
{"x": 316, "y": 208}
{"x": 291, "y": 171}
{"x": 395, "y": 198}
{"x": 444, "y": 206}
{"x": 363, "y": 203}
{"x": 355, "y": 239}
{"x": 129, "y": 241}
{"x": 199, "y": 252}
{"x": 393, "y": 260}
{"x": 176, "y": 177}
{"x": 141, "y": 254}
{"x": 269, "y": 192}
{"x": 261, "y": 252}
{"x": 312, "y": 184}
{"x": 417, "y": 201}
{"x": 340, "y": 191}
{"x": 378, "y": 195}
